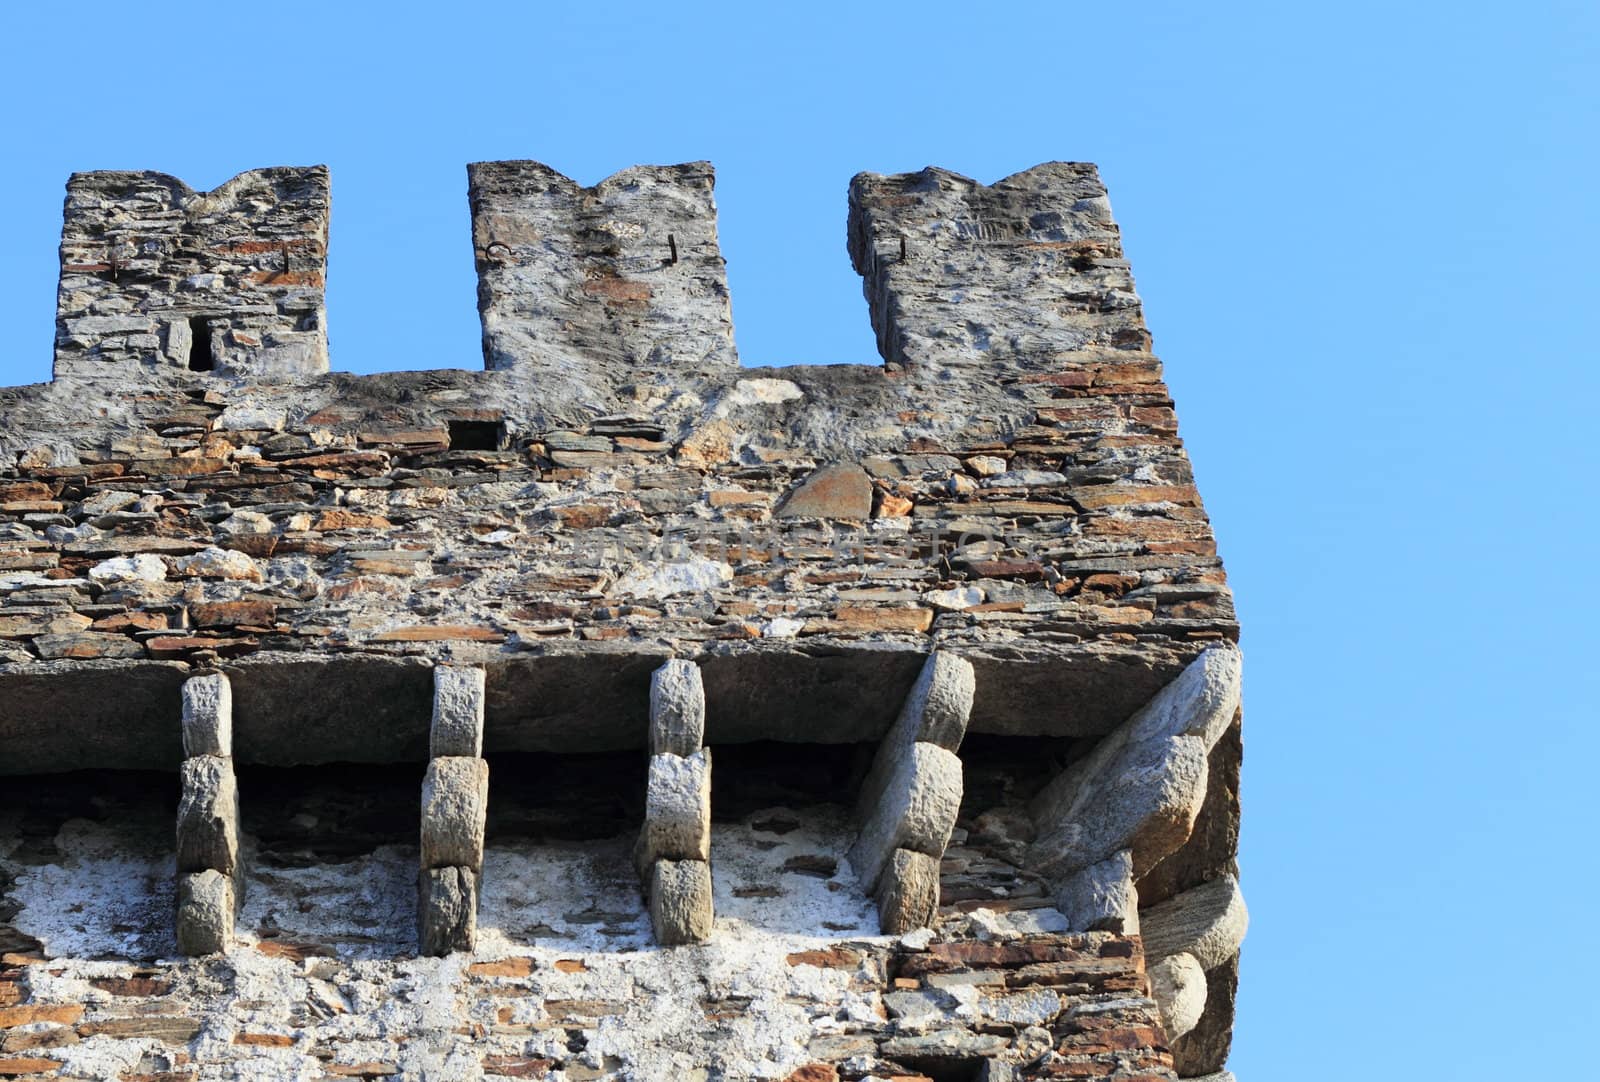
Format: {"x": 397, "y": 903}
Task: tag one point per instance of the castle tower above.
{"x": 843, "y": 721}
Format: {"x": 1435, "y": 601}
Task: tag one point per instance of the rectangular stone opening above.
{"x": 201, "y": 358}
{"x": 477, "y": 435}
{"x": 747, "y": 778}
{"x": 86, "y": 864}
{"x": 985, "y": 866}
{"x": 331, "y": 858}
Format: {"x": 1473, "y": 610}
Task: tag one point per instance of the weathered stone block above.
{"x": 677, "y": 815}
{"x": 205, "y": 912}
{"x": 908, "y": 893}
{"x": 458, "y": 699}
{"x": 1204, "y": 1049}
{"x": 677, "y": 709}
{"x": 208, "y": 715}
{"x": 1102, "y": 897}
{"x": 1208, "y": 922}
{"x": 455, "y": 803}
{"x": 917, "y": 811}
{"x": 1143, "y": 785}
{"x": 208, "y": 816}
{"x": 1178, "y": 985}
{"x": 680, "y": 901}
{"x": 447, "y": 911}
{"x": 935, "y": 712}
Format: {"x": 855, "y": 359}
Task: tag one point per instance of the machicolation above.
{"x": 613, "y": 711}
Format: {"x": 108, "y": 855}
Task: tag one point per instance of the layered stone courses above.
{"x": 527, "y": 544}
{"x": 1044, "y": 1007}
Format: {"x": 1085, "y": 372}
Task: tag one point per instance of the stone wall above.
{"x": 230, "y": 280}
{"x": 612, "y": 490}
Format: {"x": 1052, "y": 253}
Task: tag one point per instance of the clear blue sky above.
{"x": 1366, "y": 235}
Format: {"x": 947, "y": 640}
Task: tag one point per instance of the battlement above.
{"x": 154, "y": 273}
{"x": 886, "y": 663}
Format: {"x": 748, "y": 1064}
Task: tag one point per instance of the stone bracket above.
{"x": 455, "y": 804}
{"x": 908, "y": 805}
{"x": 673, "y": 855}
{"x": 209, "y": 861}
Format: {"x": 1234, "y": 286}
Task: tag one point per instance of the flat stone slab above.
{"x": 839, "y": 491}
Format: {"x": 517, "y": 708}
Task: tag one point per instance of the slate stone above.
{"x": 842, "y": 491}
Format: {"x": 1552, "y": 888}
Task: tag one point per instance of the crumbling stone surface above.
{"x": 677, "y": 809}
{"x": 677, "y": 709}
{"x": 206, "y": 903}
{"x": 585, "y": 289}
{"x": 208, "y": 715}
{"x": 208, "y": 816}
{"x": 1102, "y": 897}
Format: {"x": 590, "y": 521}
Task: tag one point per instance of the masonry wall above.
{"x": 156, "y": 274}
{"x": 611, "y": 489}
